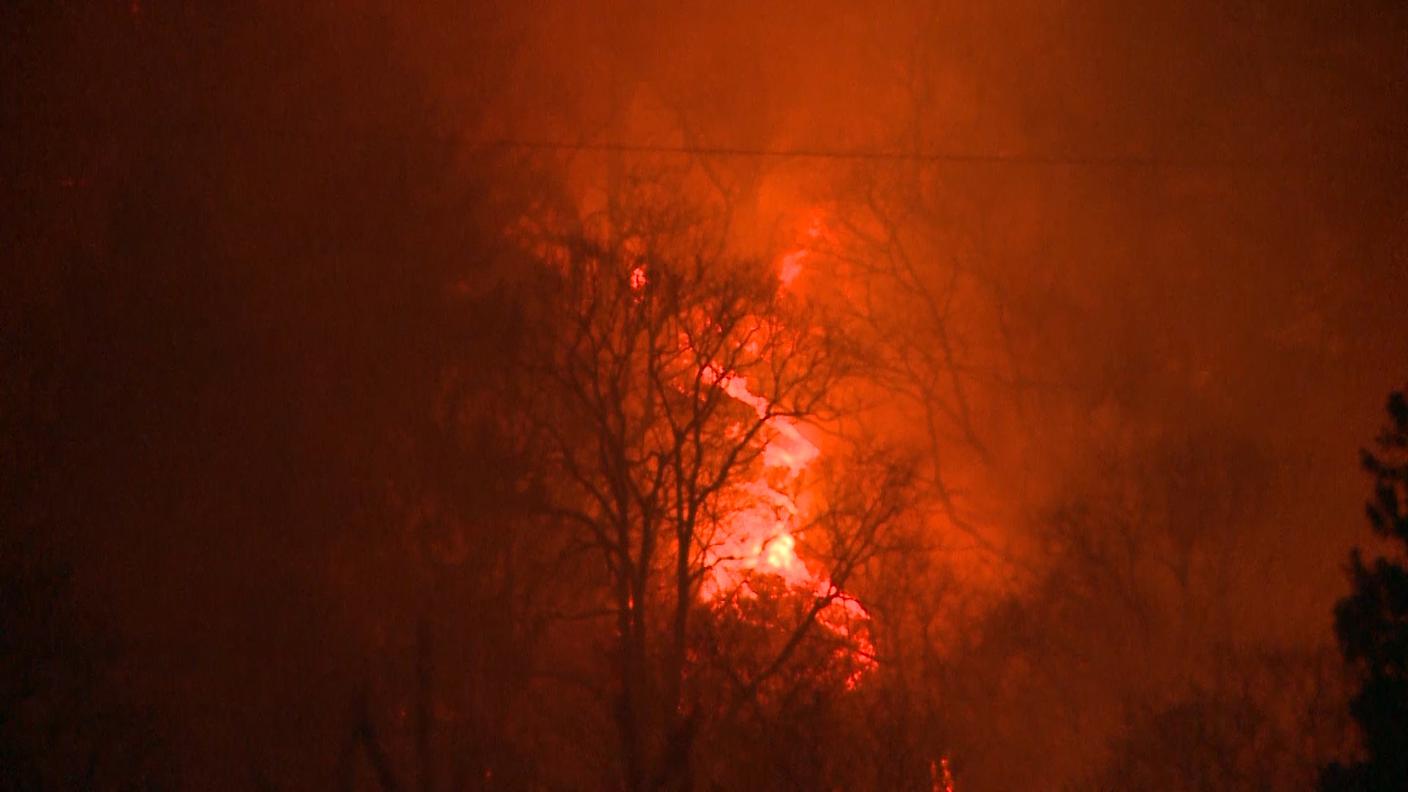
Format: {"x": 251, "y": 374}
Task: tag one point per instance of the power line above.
{"x": 883, "y": 155}
{"x": 1382, "y": 158}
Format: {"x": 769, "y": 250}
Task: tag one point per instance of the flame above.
{"x": 941, "y": 776}
{"x": 758, "y": 538}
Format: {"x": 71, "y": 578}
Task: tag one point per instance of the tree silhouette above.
{"x": 661, "y": 371}
{"x": 1372, "y": 624}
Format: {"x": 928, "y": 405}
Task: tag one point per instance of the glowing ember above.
{"x": 940, "y": 776}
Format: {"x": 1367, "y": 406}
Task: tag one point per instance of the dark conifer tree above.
{"x": 1372, "y": 624}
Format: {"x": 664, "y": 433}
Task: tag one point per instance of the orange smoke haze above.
{"x": 1104, "y": 300}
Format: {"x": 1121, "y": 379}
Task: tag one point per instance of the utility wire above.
{"x": 881, "y": 155}
{"x": 1378, "y": 159}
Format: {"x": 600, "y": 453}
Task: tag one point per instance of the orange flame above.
{"x": 940, "y": 776}
{"x": 758, "y": 537}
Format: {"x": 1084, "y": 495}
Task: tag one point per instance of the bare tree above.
{"x": 1260, "y": 719}
{"x": 670, "y": 382}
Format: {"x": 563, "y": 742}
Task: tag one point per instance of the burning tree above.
{"x": 673, "y": 387}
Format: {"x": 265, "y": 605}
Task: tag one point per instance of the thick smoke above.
{"x": 1121, "y": 288}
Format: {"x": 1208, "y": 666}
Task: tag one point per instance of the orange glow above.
{"x": 790, "y": 266}
{"x": 940, "y": 776}
{"x": 757, "y": 537}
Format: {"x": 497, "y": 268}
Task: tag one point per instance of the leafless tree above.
{"x": 666, "y": 376}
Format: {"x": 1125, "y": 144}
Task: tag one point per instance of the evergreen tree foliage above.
{"x": 1372, "y": 624}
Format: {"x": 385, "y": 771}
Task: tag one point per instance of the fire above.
{"x": 940, "y": 776}
{"x": 789, "y": 449}
{"x": 758, "y": 537}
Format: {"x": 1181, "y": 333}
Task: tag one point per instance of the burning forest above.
{"x": 932, "y": 396}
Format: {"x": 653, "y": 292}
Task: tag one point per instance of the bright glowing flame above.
{"x": 758, "y": 538}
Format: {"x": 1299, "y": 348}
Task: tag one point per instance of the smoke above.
{"x": 1130, "y": 282}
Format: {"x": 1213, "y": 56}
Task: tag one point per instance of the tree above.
{"x": 222, "y": 362}
{"x": 1258, "y": 719}
{"x": 1372, "y": 623}
{"x": 667, "y": 386}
